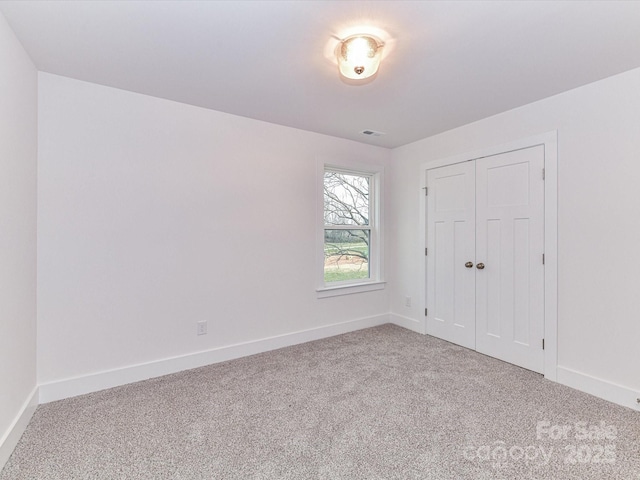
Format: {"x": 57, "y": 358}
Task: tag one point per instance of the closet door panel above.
{"x": 451, "y": 245}
{"x": 509, "y": 243}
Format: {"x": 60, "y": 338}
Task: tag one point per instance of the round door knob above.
{"x": 480, "y": 266}
{"x": 469, "y": 264}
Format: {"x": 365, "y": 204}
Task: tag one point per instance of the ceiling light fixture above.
{"x": 359, "y": 56}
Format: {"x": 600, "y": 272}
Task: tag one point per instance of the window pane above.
{"x": 346, "y": 255}
{"x": 346, "y": 199}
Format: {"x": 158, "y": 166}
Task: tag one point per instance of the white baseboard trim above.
{"x": 599, "y": 388}
{"x": 71, "y": 387}
{"x": 11, "y": 437}
{"x": 406, "y": 322}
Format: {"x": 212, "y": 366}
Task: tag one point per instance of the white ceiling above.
{"x": 446, "y": 63}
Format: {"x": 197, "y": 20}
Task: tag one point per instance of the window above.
{"x": 351, "y": 235}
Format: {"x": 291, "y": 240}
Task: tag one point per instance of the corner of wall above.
{"x": 11, "y": 438}
{"x": 406, "y": 322}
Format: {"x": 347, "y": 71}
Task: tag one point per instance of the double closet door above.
{"x": 485, "y": 246}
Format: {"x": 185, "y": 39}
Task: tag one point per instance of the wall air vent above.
{"x": 372, "y": 133}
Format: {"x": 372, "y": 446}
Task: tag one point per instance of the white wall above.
{"x": 18, "y": 153}
{"x": 598, "y": 129}
{"x": 154, "y": 215}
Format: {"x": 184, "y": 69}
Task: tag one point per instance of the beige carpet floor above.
{"x": 381, "y": 403}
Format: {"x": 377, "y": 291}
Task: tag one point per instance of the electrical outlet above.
{"x": 202, "y": 327}
{"x": 407, "y": 301}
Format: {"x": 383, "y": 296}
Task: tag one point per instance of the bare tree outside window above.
{"x": 347, "y": 232}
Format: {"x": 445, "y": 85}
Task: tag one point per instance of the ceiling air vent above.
{"x": 372, "y": 133}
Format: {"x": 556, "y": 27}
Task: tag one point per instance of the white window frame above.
{"x": 376, "y": 241}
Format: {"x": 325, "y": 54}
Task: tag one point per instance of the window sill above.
{"x": 326, "y": 292}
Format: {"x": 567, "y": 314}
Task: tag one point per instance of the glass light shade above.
{"x": 359, "y": 57}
